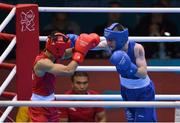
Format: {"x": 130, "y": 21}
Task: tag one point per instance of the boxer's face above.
{"x": 125, "y": 47}
{"x": 111, "y": 44}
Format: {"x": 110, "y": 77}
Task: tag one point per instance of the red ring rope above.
{"x": 6, "y": 6}
{"x": 7, "y": 94}
{"x": 7, "y": 65}
{"x": 6, "y": 36}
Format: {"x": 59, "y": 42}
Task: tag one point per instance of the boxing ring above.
{"x": 165, "y": 101}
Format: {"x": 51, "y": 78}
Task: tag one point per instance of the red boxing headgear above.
{"x": 57, "y": 43}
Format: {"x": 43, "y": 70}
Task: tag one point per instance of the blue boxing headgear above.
{"x": 120, "y": 37}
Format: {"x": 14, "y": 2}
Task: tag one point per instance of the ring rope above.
{"x": 8, "y": 117}
{"x": 7, "y": 19}
{"x": 138, "y": 39}
{"x": 7, "y": 81}
{"x": 8, "y": 50}
{"x": 106, "y": 9}
{"x": 6, "y": 6}
{"x": 115, "y": 104}
{"x": 110, "y": 97}
{"x": 6, "y": 36}
{"x": 8, "y": 66}
{"x": 113, "y": 68}
{"x": 7, "y": 111}
{"x": 7, "y": 94}
{"x": 155, "y": 39}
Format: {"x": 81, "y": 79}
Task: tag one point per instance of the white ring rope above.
{"x": 110, "y": 97}
{"x": 108, "y": 9}
{"x": 7, "y": 111}
{"x": 115, "y": 104}
{"x": 8, "y": 79}
{"x": 138, "y": 39}
{"x": 7, "y": 19}
{"x": 113, "y": 68}
{"x": 154, "y": 39}
{"x": 8, "y": 50}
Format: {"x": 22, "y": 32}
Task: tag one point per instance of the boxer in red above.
{"x": 46, "y": 69}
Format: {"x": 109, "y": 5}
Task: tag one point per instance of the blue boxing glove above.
{"x": 123, "y": 63}
{"x": 73, "y": 38}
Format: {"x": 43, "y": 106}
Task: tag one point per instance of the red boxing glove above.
{"x": 83, "y": 43}
{"x": 96, "y": 39}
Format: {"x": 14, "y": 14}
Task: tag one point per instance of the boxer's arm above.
{"x": 102, "y": 44}
{"x": 46, "y": 65}
{"x": 83, "y": 44}
{"x": 140, "y": 61}
{"x": 123, "y": 63}
{"x": 68, "y": 53}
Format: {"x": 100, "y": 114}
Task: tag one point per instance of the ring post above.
{"x": 27, "y": 34}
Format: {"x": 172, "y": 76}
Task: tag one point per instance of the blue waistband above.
{"x": 135, "y": 83}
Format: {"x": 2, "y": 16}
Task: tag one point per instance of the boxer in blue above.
{"x": 130, "y": 62}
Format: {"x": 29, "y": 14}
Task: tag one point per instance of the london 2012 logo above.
{"x": 27, "y": 21}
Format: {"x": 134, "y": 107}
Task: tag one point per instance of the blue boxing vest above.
{"x": 133, "y": 82}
